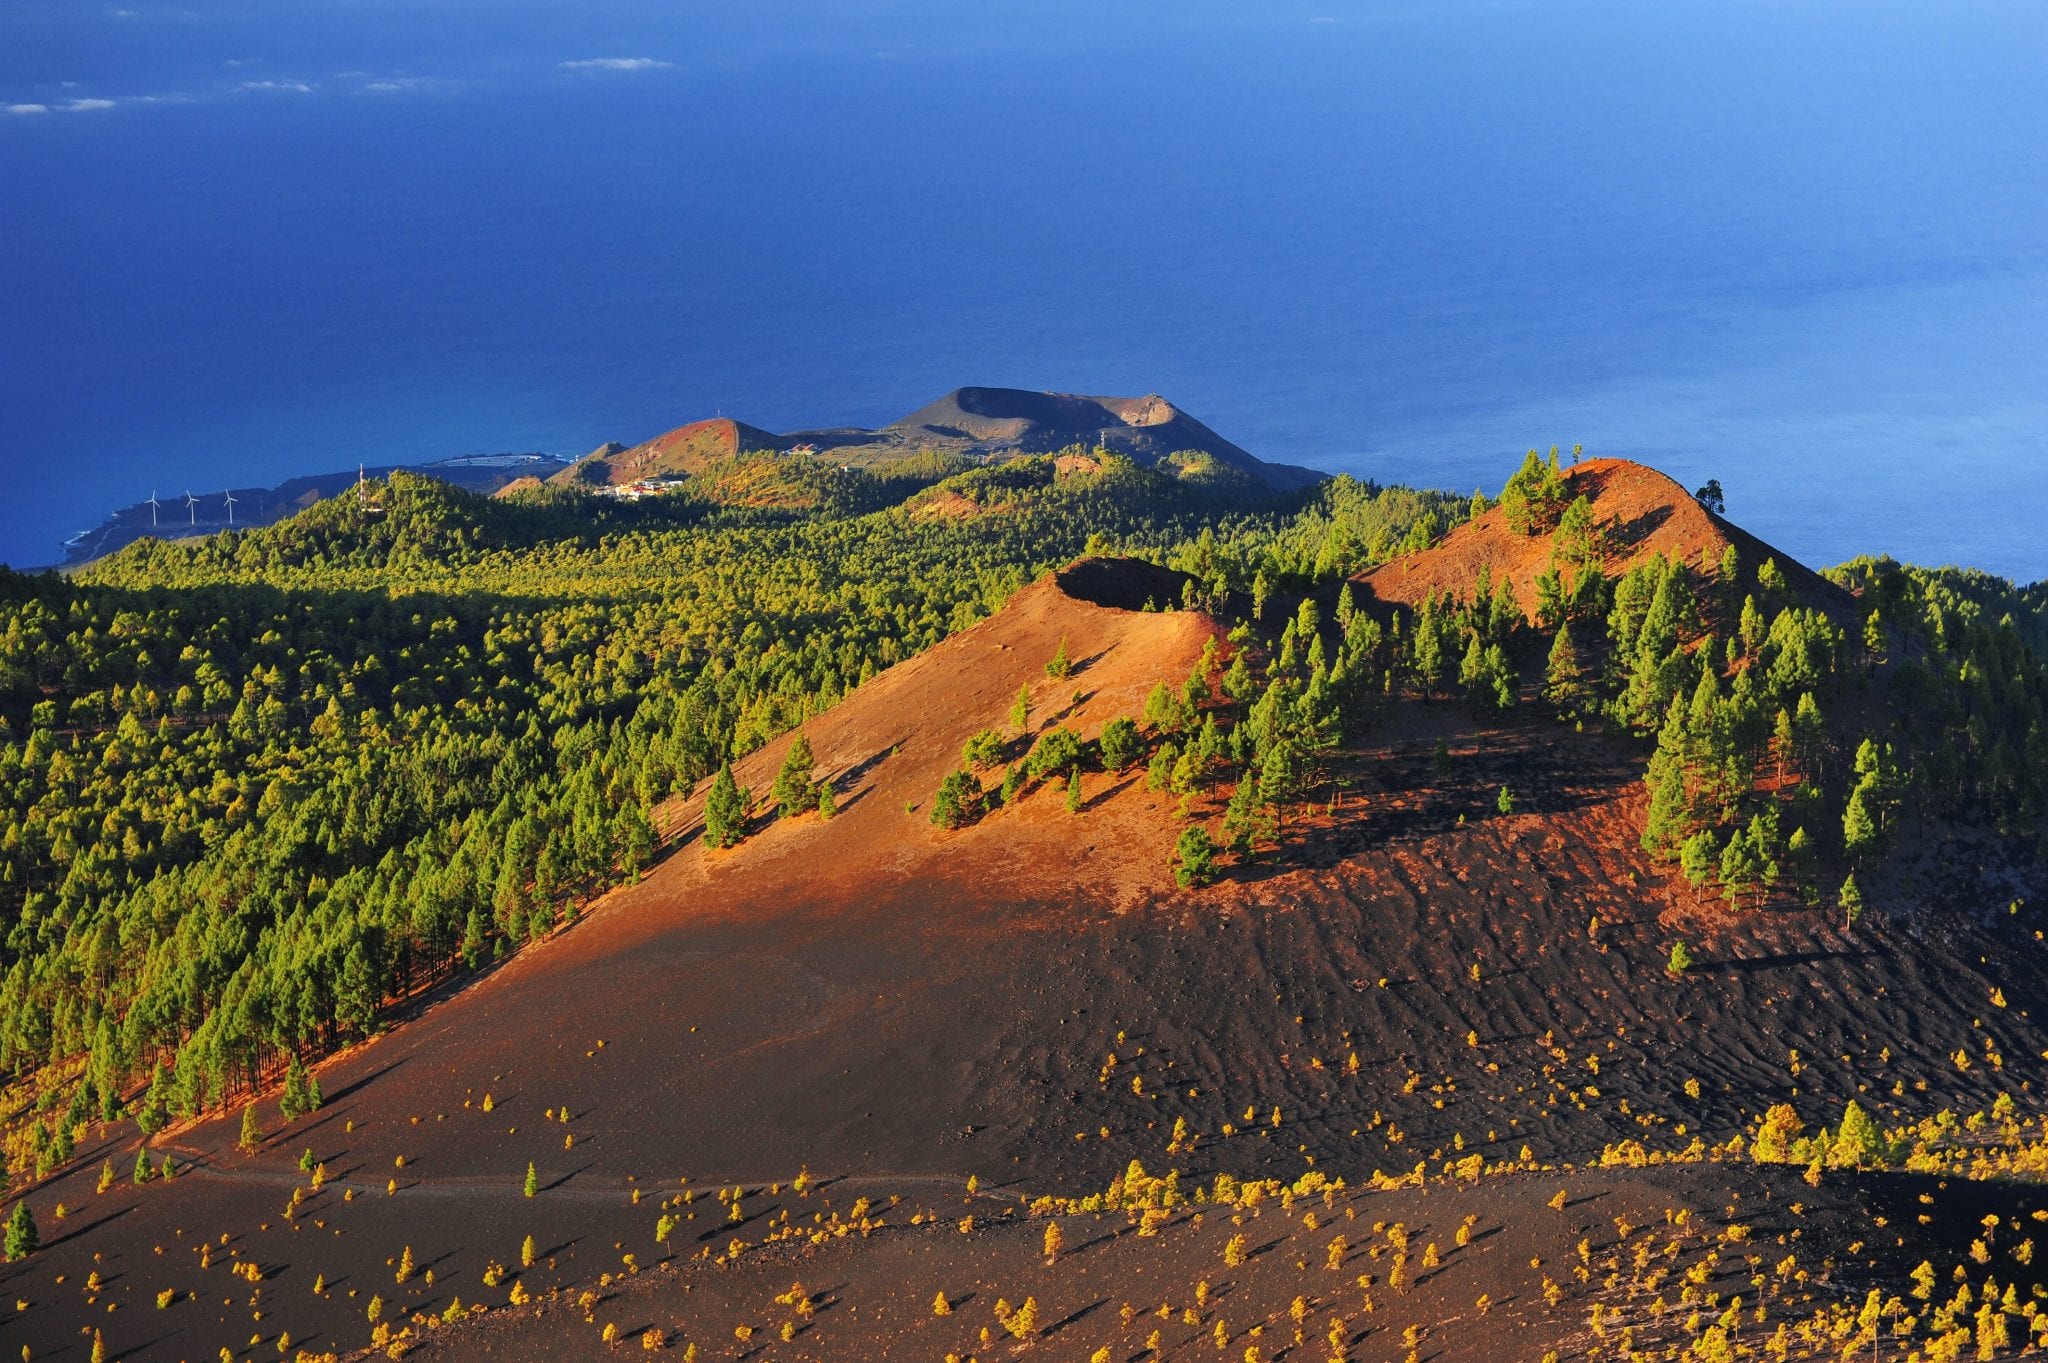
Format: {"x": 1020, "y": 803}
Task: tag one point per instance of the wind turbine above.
{"x": 230, "y": 495}
{"x": 192, "y": 506}
{"x": 153, "y": 505}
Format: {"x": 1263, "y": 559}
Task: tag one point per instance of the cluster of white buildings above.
{"x": 642, "y": 487}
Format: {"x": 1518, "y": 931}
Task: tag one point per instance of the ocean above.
{"x": 1794, "y": 245}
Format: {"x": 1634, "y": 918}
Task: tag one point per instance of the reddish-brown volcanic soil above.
{"x": 900, "y": 1008}
{"x": 687, "y": 449}
{"x": 1642, "y": 512}
{"x": 944, "y": 504}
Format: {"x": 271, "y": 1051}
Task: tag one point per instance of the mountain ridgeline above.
{"x": 723, "y": 463}
{"x": 966, "y": 427}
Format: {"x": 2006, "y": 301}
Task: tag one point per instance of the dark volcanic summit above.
{"x": 1148, "y": 428}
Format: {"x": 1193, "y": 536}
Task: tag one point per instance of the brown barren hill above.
{"x": 686, "y": 450}
{"x": 1640, "y": 512}
{"x": 887, "y": 747}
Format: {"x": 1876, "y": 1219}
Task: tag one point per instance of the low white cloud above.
{"x": 359, "y": 82}
{"x": 618, "y": 64}
{"x": 402, "y": 85}
{"x": 69, "y": 106}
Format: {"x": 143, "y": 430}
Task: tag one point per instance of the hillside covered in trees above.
{"x": 269, "y": 793}
{"x": 260, "y": 784}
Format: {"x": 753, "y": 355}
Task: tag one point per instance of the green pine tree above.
{"x": 1020, "y": 710}
{"x": 1563, "y": 678}
{"x": 22, "y": 1239}
{"x": 792, "y": 789}
{"x": 1074, "y": 791}
{"x": 983, "y": 750}
{"x": 1280, "y": 774}
{"x": 292, "y": 1103}
{"x": 1577, "y": 543}
{"x": 1119, "y": 744}
{"x": 1552, "y": 604}
{"x": 1162, "y": 713}
{"x": 143, "y": 1169}
{"x": 251, "y": 1139}
{"x": 1859, "y": 828}
{"x": 1472, "y": 673}
{"x": 155, "y": 1109}
{"x": 532, "y": 1179}
{"x": 1741, "y": 870}
{"x": 1699, "y": 857}
{"x": 1680, "y": 960}
{"x": 958, "y": 797}
{"x": 1237, "y": 679}
{"x": 1194, "y": 859}
{"x": 1858, "y": 1143}
{"x": 725, "y": 810}
{"x": 1669, "y": 819}
{"x": 1243, "y": 824}
{"x": 1159, "y": 771}
{"x": 1427, "y": 652}
{"x": 1534, "y": 497}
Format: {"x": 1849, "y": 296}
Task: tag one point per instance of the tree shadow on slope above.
{"x": 1405, "y": 794}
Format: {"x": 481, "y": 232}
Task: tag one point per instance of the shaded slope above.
{"x": 1149, "y": 428}
{"x": 1166, "y": 1294}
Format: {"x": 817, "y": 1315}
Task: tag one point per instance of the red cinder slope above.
{"x": 683, "y": 451}
{"x": 1642, "y": 513}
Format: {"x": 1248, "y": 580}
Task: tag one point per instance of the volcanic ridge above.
{"x": 819, "y": 1095}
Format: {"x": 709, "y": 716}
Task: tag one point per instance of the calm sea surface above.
{"x": 1801, "y": 247}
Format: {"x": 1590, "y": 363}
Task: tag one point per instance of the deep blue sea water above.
{"x": 1799, "y": 246}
